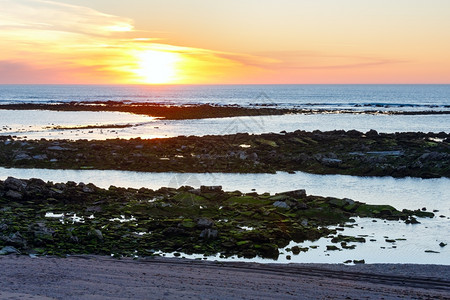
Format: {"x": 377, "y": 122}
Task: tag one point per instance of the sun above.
{"x": 157, "y": 67}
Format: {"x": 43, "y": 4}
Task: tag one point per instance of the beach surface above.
{"x": 100, "y": 277}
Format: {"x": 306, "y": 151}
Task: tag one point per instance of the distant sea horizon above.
{"x": 403, "y": 97}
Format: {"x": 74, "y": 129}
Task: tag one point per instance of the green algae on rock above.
{"x": 46, "y": 218}
{"x": 425, "y": 155}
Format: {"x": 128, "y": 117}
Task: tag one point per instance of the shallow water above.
{"x": 411, "y": 193}
{"x": 413, "y": 241}
{"x": 35, "y": 124}
{"x": 40, "y": 123}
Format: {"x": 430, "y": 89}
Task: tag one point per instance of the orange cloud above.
{"x": 46, "y": 41}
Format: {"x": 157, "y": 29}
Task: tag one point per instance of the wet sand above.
{"x": 97, "y": 277}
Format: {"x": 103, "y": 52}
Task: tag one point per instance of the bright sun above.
{"x": 157, "y": 67}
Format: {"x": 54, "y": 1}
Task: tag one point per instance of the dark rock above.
{"x": 14, "y": 195}
{"x": 96, "y": 234}
{"x": 57, "y": 148}
{"x": 296, "y": 193}
{"x": 431, "y": 251}
{"x": 15, "y": 184}
{"x": 332, "y": 248}
{"x": 22, "y": 156}
{"x": 211, "y": 189}
{"x": 40, "y": 157}
{"x": 281, "y": 204}
{"x": 14, "y": 239}
{"x": 3, "y": 227}
{"x": 41, "y": 231}
{"x": 209, "y": 233}
{"x": 331, "y": 162}
{"x": 372, "y": 133}
{"x": 205, "y": 223}
{"x": 9, "y": 250}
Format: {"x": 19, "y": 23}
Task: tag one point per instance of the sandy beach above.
{"x": 99, "y": 277}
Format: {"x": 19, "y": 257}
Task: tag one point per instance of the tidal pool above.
{"x": 36, "y": 124}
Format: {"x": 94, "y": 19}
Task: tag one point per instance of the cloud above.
{"x": 310, "y": 60}
{"x": 46, "y": 41}
{"x": 54, "y": 16}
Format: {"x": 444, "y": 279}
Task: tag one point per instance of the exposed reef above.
{"x": 425, "y": 155}
{"x": 199, "y": 111}
{"x": 46, "y": 218}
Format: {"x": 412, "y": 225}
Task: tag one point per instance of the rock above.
{"x": 87, "y": 189}
{"x": 372, "y": 133}
{"x": 14, "y": 195}
{"x": 296, "y": 193}
{"x": 332, "y": 248}
{"x": 281, "y": 204}
{"x": 22, "y": 156}
{"x": 96, "y": 234}
{"x": 347, "y": 261}
{"x": 431, "y": 156}
{"x": 331, "y": 162}
{"x": 36, "y": 186}
{"x": 431, "y": 251}
{"x": 40, "y": 157}
{"x": 211, "y": 189}
{"x": 56, "y": 148}
{"x": 15, "y": 184}
{"x": 296, "y": 250}
{"x": 41, "y": 231}
{"x": 205, "y": 223}
{"x": 3, "y": 227}
{"x": 14, "y": 239}
{"x": 209, "y": 233}
{"x": 9, "y": 250}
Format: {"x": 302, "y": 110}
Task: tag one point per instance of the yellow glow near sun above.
{"x": 157, "y": 67}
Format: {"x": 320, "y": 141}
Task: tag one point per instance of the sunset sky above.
{"x": 222, "y": 42}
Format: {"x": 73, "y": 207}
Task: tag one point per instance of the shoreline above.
{"x": 98, "y": 277}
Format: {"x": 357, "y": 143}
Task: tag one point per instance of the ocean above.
{"x": 355, "y": 97}
{"x": 36, "y": 124}
{"x": 412, "y": 193}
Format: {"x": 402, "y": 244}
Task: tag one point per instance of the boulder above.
{"x": 22, "y": 156}
{"x": 205, "y": 223}
{"x": 14, "y": 239}
{"x": 96, "y": 233}
{"x": 40, "y": 157}
{"x": 331, "y": 162}
{"x": 57, "y": 148}
{"x": 211, "y": 189}
{"x": 301, "y": 193}
{"x": 9, "y": 250}
{"x": 15, "y": 184}
{"x": 14, "y": 195}
{"x": 209, "y": 233}
{"x": 281, "y": 204}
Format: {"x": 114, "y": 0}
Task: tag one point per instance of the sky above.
{"x": 224, "y": 42}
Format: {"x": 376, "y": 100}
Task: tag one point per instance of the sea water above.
{"x": 356, "y": 97}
